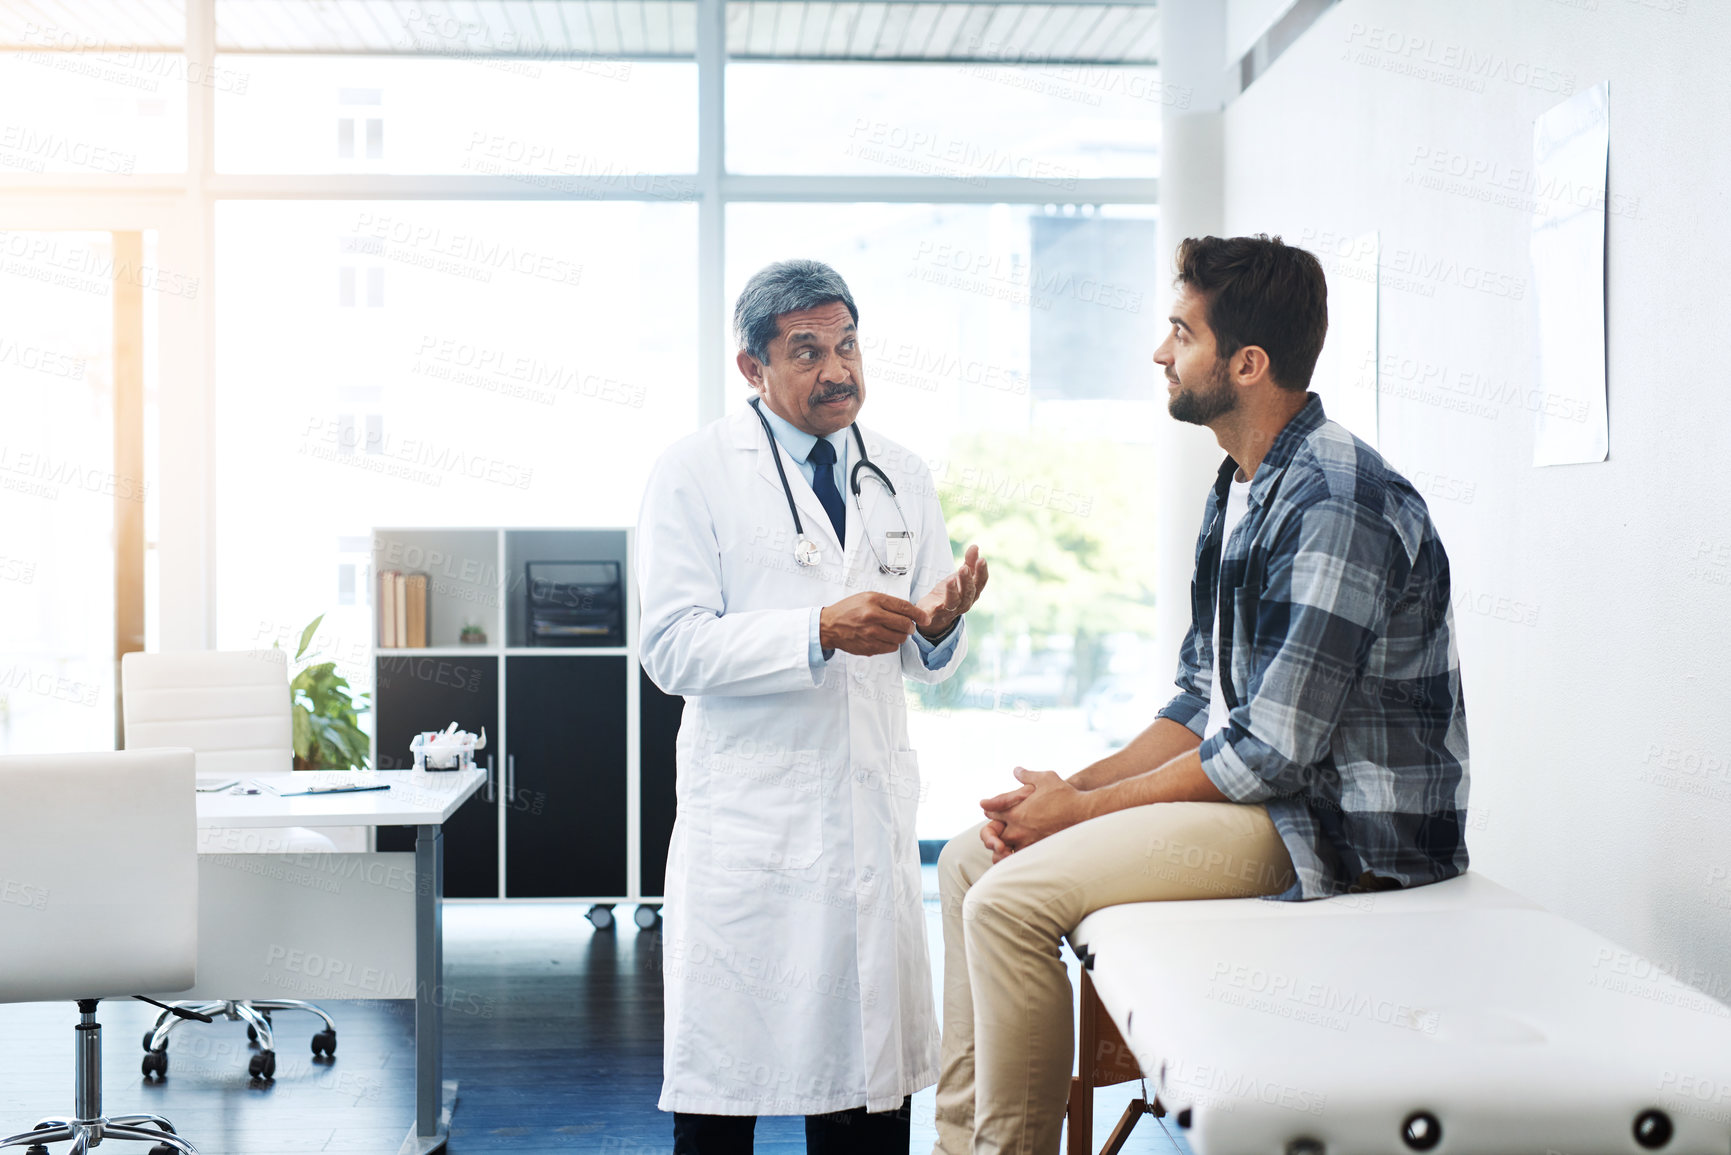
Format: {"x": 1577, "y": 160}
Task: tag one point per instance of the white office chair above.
{"x": 233, "y": 709}
{"x": 98, "y": 858}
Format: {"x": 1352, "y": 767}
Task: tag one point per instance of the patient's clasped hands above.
{"x": 1043, "y": 805}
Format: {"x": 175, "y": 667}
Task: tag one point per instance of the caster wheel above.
{"x": 325, "y": 1043}
{"x": 155, "y": 1063}
{"x": 646, "y": 917}
{"x": 36, "y": 1149}
{"x": 602, "y": 917}
{"x": 262, "y": 1065}
{"x": 148, "y": 1036}
{"x": 164, "y": 1149}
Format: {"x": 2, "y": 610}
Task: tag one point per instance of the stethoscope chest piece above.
{"x": 899, "y": 544}
{"x": 898, "y": 556}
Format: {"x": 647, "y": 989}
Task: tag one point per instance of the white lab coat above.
{"x": 794, "y": 948}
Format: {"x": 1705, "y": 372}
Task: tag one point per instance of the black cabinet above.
{"x": 566, "y": 771}
{"x": 413, "y": 694}
{"x": 658, "y": 732}
{"x": 558, "y": 718}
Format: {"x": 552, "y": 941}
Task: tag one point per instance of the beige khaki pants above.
{"x": 1009, "y": 1038}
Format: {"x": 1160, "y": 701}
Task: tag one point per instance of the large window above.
{"x": 60, "y": 490}
{"x": 92, "y": 113}
{"x": 964, "y": 122}
{"x": 444, "y": 265}
{"x": 385, "y": 363}
{"x": 539, "y": 118}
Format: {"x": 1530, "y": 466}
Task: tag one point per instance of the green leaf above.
{"x": 353, "y": 745}
{"x": 307, "y": 636}
{"x": 303, "y": 731}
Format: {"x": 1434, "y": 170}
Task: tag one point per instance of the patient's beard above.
{"x": 1214, "y": 399}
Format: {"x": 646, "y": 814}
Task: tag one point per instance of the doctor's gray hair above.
{"x": 784, "y": 287}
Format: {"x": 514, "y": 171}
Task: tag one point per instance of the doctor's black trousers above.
{"x": 854, "y": 1132}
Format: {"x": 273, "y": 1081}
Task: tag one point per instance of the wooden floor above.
{"x": 553, "y": 1033}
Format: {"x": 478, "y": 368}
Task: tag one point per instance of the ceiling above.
{"x": 1001, "y": 31}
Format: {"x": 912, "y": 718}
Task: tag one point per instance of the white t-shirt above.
{"x": 1237, "y": 504}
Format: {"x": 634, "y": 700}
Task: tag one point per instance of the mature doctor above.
{"x": 777, "y": 571}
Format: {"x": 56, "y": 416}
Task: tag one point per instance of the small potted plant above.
{"x": 326, "y": 714}
{"x": 472, "y": 635}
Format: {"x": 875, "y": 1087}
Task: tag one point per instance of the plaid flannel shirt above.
{"x": 1338, "y": 665}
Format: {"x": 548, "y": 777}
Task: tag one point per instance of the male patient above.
{"x": 1318, "y": 741}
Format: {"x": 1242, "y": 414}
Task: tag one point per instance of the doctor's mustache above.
{"x": 834, "y": 393}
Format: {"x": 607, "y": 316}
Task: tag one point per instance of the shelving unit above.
{"x": 579, "y": 799}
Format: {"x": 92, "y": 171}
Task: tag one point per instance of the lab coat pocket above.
{"x": 766, "y": 811}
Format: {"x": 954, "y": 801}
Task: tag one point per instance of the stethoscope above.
{"x": 805, "y": 550}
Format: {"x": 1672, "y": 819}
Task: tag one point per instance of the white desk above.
{"x": 414, "y": 799}
{"x": 337, "y": 926}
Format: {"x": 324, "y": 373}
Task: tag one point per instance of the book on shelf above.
{"x": 402, "y": 611}
{"x": 416, "y": 584}
{"x": 388, "y": 610}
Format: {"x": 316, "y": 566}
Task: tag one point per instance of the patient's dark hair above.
{"x": 1260, "y": 292}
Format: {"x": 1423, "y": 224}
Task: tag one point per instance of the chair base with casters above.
{"x": 255, "y": 1013}
{"x": 87, "y": 1126}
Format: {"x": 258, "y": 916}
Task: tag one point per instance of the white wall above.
{"x": 1601, "y": 732}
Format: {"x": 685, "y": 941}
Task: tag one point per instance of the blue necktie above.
{"x": 822, "y": 459}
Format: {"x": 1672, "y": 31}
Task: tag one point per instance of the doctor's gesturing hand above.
{"x": 954, "y": 596}
{"x": 875, "y": 623}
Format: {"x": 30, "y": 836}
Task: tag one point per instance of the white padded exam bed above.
{"x": 1453, "y": 1018}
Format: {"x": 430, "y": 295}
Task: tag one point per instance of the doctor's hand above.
{"x": 954, "y": 596}
{"x": 869, "y": 624}
{"x": 1043, "y": 806}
